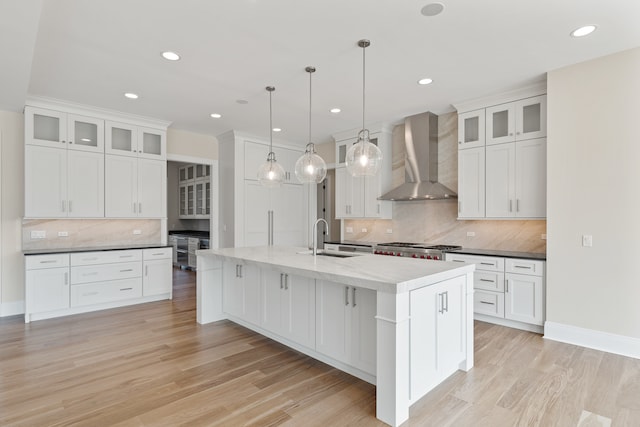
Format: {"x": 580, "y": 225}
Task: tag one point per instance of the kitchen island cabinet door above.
{"x": 332, "y": 320}
{"x": 363, "y": 329}
{"x": 300, "y": 310}
{"x": 241, "y": 291}
{"x": 272, "y": 299}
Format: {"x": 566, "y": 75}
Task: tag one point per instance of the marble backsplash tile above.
{"x": 90, "y": 232}
{"x": 436, "y": 221}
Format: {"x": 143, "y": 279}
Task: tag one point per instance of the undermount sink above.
{"x": 335, "y": 254}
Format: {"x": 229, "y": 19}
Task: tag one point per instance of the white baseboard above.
{"x": 604, "y": 341}
{"x": 12, "y": 308}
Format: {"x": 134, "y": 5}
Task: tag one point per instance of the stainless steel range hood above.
{"x": 421, "y": 162}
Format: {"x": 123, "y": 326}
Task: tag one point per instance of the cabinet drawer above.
{"x": 489, "y": 303}
{"x": 489, "y": 281}
{"x": 105, "y": 257}
{"x": 525, "y": 266}
{"x": 101, "y": 292}
{"x": 37, "y": 262}
{"x": 157, "y": 253}
{"x": 481, "y": 262}
{"x": 100, "y": 273}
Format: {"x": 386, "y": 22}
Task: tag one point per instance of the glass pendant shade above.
{"x": 363, "y": 158}
{"x": 311, "y": 168}
{"x": 271, "y": 173}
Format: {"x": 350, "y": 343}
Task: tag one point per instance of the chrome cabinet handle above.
{"x": 528, "y": 267}
{"x": 487, "y": 302}
{"x": 126, "y": 289}
{"x": 48, "y": 262}
{"x": 346, "y": 295}
{"x": 446, "y": 298}
{"x": 488, "y": 263}
{"x": 131, "y": 256}
{"x": 146, "y": 270}
{"x": 237, "y": 274}
{"x": 240, "y": 271}
{"x": 140, "y": 207}
{"x": 487, "y": 280}
{"x": 441, "y": 303}
{"x": 134, "y": 207}
{"x": 506, "y": 285}
{"x": 353, "y": 296}
{"x": 281, "y": 278}
{"x": 517, "y": 205}
{"x": 127, "y": 270}
{"x": 286, "y": 282}
{"x": 457, "y": 260}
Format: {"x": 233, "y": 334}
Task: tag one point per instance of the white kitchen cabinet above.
{"x": 186, "y": 173}
{"x": 241, "y": 292}
{"x": 194, "y": 191}
{"x": 471, "y": 183}
{"x": 517, "y": 121}
{"x": 524, "y": 291}
{"x": 277, "y": 213}
{"x": 288, "y": 306}
{"x": 516, "y": 179}
{"x": 357, "y": 197}
{"x": 50, "y": 128}
{"x": 63, "y": 183}
{"x": 157, "y": 275}
{"x": 47, "y": 283}
{"x": 345, "y": 324}
{"x": 437, "y": 311}
{"x": 255, "y": 154}
{"x": 135, "y": 141}
{"x": 471, "y": 126}
{"x": 135, "y": 187}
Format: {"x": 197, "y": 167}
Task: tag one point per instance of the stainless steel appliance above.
{"x": 414, "y": 250}
{"x": 362, "y": 247}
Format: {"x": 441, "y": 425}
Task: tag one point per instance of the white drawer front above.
{"x": 489, "y": 303}
{"x": 97, "y": 293}
{"x": 488, "y": 281}
{"x": 525, "y": 266}
{"x": 37, "y": 262}
{"x": 105, "y": 257}
{"x": 481, "y": 262}
{"x": 157, "y": 253}
{"x": 100, "y": 273}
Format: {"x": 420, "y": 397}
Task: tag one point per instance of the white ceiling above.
{"x": 91, "y": 52}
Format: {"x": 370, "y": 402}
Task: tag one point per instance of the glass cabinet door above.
{"x": 500, "y": 124}
{"x": 45, "y": 127}
{"x": 471, "y": 129}
{"x": 85, "y": 133}
{"x": 121, "y": 139}
{"x": 183, "y": 201}
{"x": 200, "y": 198}
{"x": 190, "y": 200}
{"x": 531, "y": 118}
{"x": 207, "y": 197}
{"x": 151, "y": 143}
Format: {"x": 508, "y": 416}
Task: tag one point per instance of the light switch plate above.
{"x": 587, "y": 240}
{"x": 471, "y": 234}
{"x": 137, "y": 231}
{"x": 364, "y": 230}
{"x": 63, "y": 234}
{"x": 349, "y": 229}
{"x": 389, "y": 230}
{"x": 38, "y": 234}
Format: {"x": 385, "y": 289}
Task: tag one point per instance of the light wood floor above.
{"x": 153, "y": 365}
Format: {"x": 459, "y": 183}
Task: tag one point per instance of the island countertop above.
{"x": 379, "y": 273}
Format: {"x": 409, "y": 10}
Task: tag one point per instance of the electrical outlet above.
{"x": 137, "y": 231}
{"x": 471, "y": 234}
{"x": 364, "y": 230}
{"x": 587, "y": 240}
{"x": 349, "y": 229}
{"x": 38, "y": 234}
{"x": 543, "y": 236}
{"x": 63, "y": 234}
{"x": 389, "y": 231}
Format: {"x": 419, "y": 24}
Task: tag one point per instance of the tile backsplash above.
{"x": 89, "y": 232}
{"x": 436, "y": 221}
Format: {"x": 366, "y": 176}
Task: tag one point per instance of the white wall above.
{"x": 12, "y": 193}
{"x": 185, "y": 143}
{"x": 594, "y": 189}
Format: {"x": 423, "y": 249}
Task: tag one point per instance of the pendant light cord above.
{"x": 270, "y": 124}
{"x": 310, "y": 73}
{"x": 364, "y": 47}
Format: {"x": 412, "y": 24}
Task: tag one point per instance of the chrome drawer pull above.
{"x": 523, "y": 266}
{"x": 126, "y": 256}
{"x": 457, "y": 260}
{"x": 126, "y": 289}
{"x": 124, "y": 271}
{"x": 158, "y": 254}
{"x": 487, "y": 280}
{"x": 488, "y": 263}
{"x": 48, "y": 262}
{"x": 486, "y": 302}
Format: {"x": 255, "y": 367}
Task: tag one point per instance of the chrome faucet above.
{"x": 315, "y": 233}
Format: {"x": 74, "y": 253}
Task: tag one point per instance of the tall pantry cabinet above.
{"x": 253, "y": 215}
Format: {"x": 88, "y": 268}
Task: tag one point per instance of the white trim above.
{"x": 502, "y": 98}
{"x": 590, "y": 338}
{"x": 12, "y": 308}
{"x": 538, "y": 329}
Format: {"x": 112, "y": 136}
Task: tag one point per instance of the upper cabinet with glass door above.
{"x": 135, "y": 141}
{"x": 471, "y": 129}
{"x": 517, "y": 121}
{"x": 57, "y": 129}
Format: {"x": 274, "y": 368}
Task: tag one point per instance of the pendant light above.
{"x": 310, "y": 168}
{"x": 363, "y": 157}
{"x": 271, "y": 173}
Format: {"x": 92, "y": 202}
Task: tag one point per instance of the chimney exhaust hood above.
{"x": 421, "y": 162}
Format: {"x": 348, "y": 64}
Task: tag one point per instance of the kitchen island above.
{"x": 402, "y": 324}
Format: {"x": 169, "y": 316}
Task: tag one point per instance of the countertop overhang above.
{"x": 91, "y": 249}
{"x": 379, "y": 273}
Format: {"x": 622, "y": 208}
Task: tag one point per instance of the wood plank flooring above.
{"x": 153, "y": 365}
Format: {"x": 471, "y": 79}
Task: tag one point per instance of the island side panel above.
{"x": 467, "y": 364}
{"x": 209, "y": 289}
{"x": 392, "y": 372}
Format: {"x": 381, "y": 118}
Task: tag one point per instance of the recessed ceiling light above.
{"x": 216, "y": 115}
{"x": 432, "y": 9}
{"x": 277, "y": 129}
{"x": 242, "y": 101}
{"x": 583, "y": 31}
{"x": 335, "y": 110}
{"x": 170, "y": 56}
{"x": 425, "y": 81}
{"x": 131, "y": 95}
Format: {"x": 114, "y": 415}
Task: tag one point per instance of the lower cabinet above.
{"x": 346, "y": 325}
{"x": 288, "y": 306}
{"x": 241, "y": 292}
{"x": 63, "y": 284}
{"x": 436, "y": 311}
{"x": 523, "y": 298}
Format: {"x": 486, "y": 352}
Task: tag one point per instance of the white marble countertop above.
{"x": 379, "y": 273}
